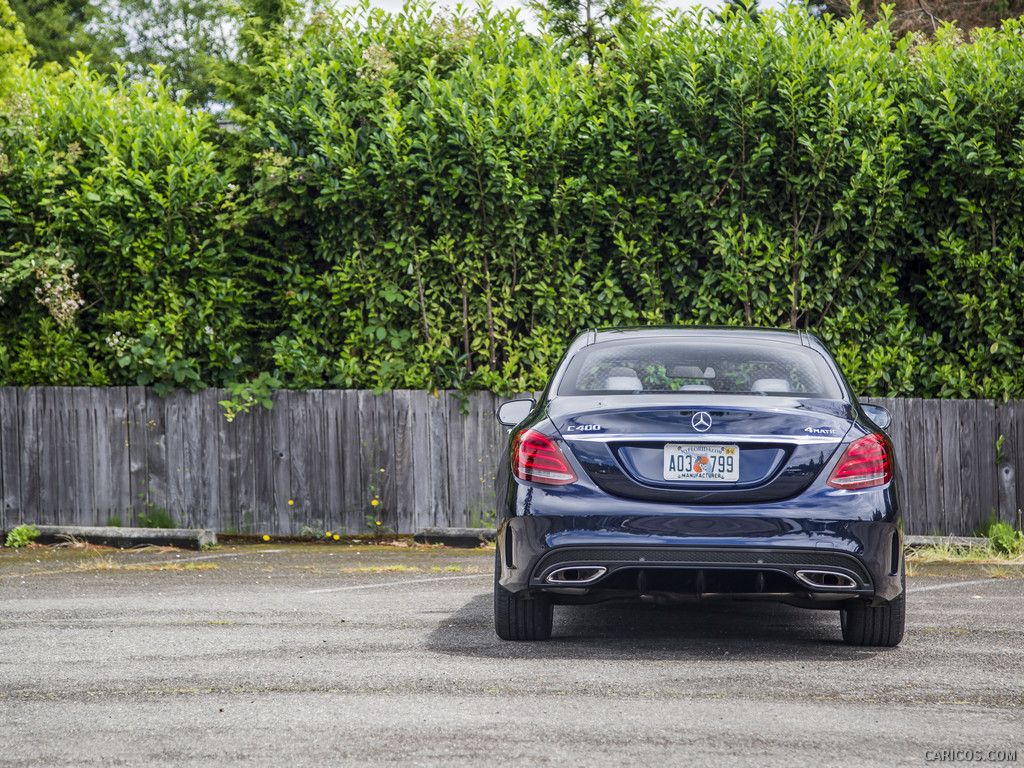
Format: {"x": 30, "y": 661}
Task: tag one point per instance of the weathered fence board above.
{"x": 437, "y": 409}
{"x": 930, "y": 437}
{"x": 284, "y": 450}
{"x": 1007, "y": 456}
{"x": 419, "y": 416}
{"x": 383, "y": 469}
{"x": 353, "y": 503}
{"x": 264, "y": 467}
{"x": 157, "y": 496}
{"x": 949, "y": 445}
{"x": 29, "y": 466}
{"x": 1013, "y": 514}
{"x": 119, "y": 497}
{"x": 137, "y": 444}
{"x": 89, "y": 452}
{"x": 11, "y": 500}
{"x": 405, "y": 461}
{"x": 81, "y": 456}
{"x": 44, "y": 427}
{"x": 174, "y": 413}
{"x": 299, "y": 430}
{"x": 987, "y": 506}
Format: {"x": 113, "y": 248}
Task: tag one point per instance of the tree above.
{"x": 59, "y": 29}
{"x": 14, "y": 51}
{"x": 926, "y": 15}
{"x": 588, "y": 23}
{"x": 14, "y": 48}
{"x": 183, "y": 38}
{"x": 741, "y": 7}
{"x": 264, "y": 29}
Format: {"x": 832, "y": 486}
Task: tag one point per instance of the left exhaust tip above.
{"x": 576, "y": 575}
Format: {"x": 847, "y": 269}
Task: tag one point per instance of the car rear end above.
{"x": 700, "y": 465}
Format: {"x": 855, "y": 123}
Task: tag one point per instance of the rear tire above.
{"x": 881, "y": 626}
{"x": 520, "y": 618}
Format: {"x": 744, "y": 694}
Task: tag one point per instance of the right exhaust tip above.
{"x": 826, "y": 579}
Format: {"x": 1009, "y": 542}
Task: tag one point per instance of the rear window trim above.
{"x": 564, "y": 385}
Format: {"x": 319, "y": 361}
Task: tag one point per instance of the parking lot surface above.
{"x": 302, "y": 655}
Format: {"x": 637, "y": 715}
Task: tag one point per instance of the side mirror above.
{"x": 878, "y": 414}
{"x": 514, "y": 411}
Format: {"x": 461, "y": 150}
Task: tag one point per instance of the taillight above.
{"x": 536, "y": 458}
{"x": 866, "y": 463}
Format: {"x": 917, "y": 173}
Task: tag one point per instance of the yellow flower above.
{"x": 378, "y": 522}
{"x": 290, "y": 502}
{"x": 336, "y": 537}
{"x": 265, "y": 537}
{"x": 374, "y": 503}
{"x": 328, "y": 534}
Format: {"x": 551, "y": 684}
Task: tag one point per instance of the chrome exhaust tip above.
{"x": 576, "y": 575}
{"x": 826, "y": 579}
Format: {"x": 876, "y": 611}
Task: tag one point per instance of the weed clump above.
{"x": 21, "y": 536}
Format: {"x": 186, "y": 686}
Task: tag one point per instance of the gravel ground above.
{"x": 339, "y": 655}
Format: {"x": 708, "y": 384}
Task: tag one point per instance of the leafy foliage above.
{"x": 119, "y": 241}
{"x": 923, "y": 16}
{"x": 156, "y": 517}
{"x": 57, "y": 30}
{"x": 14, "y": 47}
{"x": 437, "y": 200}
{"x": 467, "y": 217}
{"x": 21, "y": 536}
{"x": 1004, "y": 538}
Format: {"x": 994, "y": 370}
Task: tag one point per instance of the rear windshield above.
{"x": 706, "y": 366}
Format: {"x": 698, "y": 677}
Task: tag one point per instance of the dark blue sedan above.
{"x": 679, "y": 464}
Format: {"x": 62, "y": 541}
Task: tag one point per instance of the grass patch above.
{"x": 952, "y": 553}
{"x": 70, "y": 542}
{"x": 156, "y": 517}
{"x": 383, "y": 569}
{"x": 109, "y": 564}
{"x": 1002, "y": 571}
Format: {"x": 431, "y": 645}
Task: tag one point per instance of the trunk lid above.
{"x": 691, "y": 451}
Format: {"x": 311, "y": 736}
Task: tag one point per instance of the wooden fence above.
{"x": 320, "y": 458}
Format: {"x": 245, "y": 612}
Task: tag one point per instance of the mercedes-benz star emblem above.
{"x": 701, "y": 421}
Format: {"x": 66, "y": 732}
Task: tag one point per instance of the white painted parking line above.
{"x": 948, "y": 586}
{"x": 396, "y": 583}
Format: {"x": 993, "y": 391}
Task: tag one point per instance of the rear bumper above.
{"x": 768, "y": 557}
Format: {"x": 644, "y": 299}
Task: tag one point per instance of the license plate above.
{"x": 702, "y": 463}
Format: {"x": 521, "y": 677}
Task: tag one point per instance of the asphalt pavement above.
{"x": 303, "y": 655}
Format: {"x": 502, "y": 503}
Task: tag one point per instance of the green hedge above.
{"x": 435, "y": 201}
{"x": 121, "y": 241}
